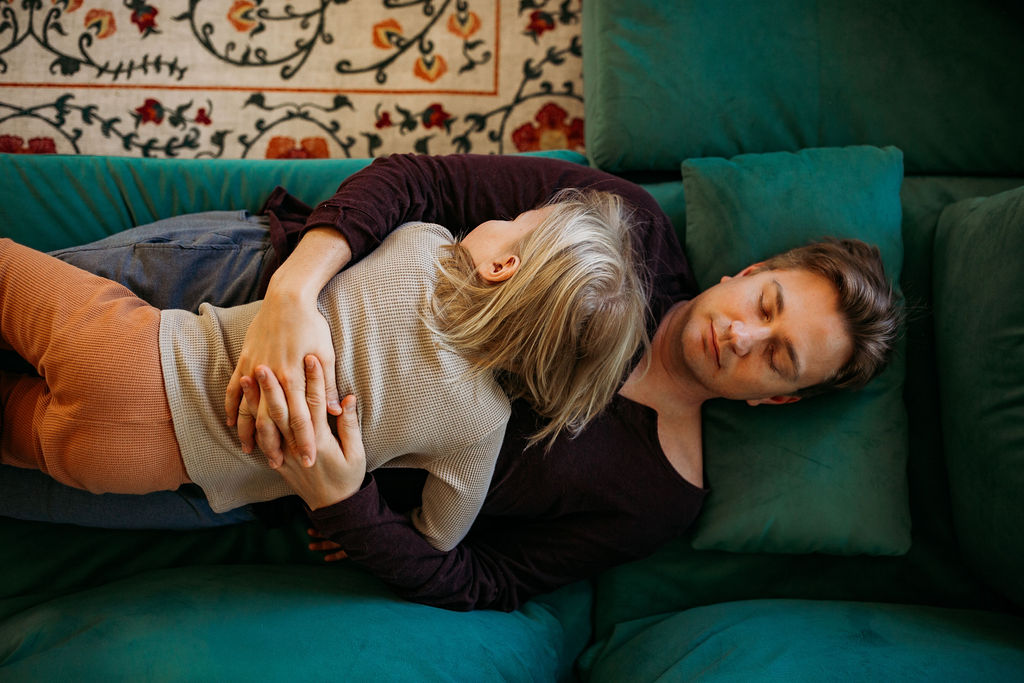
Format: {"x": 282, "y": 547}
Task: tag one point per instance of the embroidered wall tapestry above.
{"x": 289, "y": 78}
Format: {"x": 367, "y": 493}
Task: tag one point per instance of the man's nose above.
{"x": 745, "y": 337}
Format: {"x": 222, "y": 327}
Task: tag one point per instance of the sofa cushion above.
{"x": 667, "y": 81}
{"x": 827, "y": 474}
{"x": 793, "y": 640}
{"x": 979, "y": 331}
{"x": 249, "y": 604}
{"x": 81, "y": 199}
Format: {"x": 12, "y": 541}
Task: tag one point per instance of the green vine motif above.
{"x": 403, "y": 45}
{"x": 246, "y": 56}
{"x": 468, "y": 46}
{"x": 63, "y": 110}
{"x": 290, "y": 111}
{"x": 70, "y": 64}
{"x": 532, "y": 72}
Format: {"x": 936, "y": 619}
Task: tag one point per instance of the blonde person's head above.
{"x": 563, "y": 330}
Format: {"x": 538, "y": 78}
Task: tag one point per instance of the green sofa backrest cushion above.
{"x": 58, "y": 201}
{"x": 979, "y": 336}
{"x": 668, "y": 81}
{"x": 827, "y": 474}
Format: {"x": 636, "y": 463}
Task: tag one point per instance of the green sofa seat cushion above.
{"x": 794, "y": 640}
{"x": 249, "y": 602}
{"x": 668, "y": 81}
{"x": 979, "y": 331}
{"x": 827, "y": 474}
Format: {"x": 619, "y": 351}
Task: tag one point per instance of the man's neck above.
{"x": 653, "y": 382}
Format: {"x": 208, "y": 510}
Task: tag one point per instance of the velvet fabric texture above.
{"x": 827, "y": 474}
{"x": 979, "y": 330}
{"x": 796, "y": 640}
{"x": 668, "y": 81}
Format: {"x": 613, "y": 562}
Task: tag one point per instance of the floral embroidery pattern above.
{"x": 552, "y": 130}
{"x": 12, "y": 144}
{"x": 302, "y": 79}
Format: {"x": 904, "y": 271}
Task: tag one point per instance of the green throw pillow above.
{"x": 826, "y": 474}
{"x": 979, "y": 337}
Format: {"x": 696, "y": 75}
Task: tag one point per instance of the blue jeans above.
{"x": 217, "y": 257}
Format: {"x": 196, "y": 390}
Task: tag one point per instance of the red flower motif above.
{"x": 151, "y": 110}
{"x": 202, "y": 117}
{"x": 383, "y": 121}
{"x": 540, "y": 22}
{"x": 435, "y": 116}
{"x": 282, "y": 147}
{"x": 12, "y": 144}
{"x": 145, "y": 19}
{"x": 550, "y": 132}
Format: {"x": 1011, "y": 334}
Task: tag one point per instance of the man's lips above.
{"x": 714, "y": 344}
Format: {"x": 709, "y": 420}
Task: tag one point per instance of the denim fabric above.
{"x": 217, "y": 257}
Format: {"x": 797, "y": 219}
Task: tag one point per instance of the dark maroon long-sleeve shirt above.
{"x": 553, "y": 516}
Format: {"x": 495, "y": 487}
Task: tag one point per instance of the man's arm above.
{"x": 499, "y": 565}
{"x": 457, "y": 191}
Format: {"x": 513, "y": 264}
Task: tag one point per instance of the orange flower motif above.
{"x": 283, "y": 147}
{"x": 72, "y": 5}
{"x": 464, "y": 26}
{"x": 385, "y": 33}
{"x": 240, "y": 16}
{"x": 430, "y": 68}
{"x": 550, "y": 132}
{"x": 102, "y": 20}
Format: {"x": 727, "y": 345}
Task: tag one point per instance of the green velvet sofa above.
{"x": 887, "y": 544}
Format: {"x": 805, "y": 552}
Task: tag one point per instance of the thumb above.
{"x": 349, "y": 433}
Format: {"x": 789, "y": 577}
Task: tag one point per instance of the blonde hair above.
{"x": 563, "y": 331}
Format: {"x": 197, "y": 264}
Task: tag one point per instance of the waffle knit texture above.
{"x": 96, "y": 416}
{"x": 420, "y": 405}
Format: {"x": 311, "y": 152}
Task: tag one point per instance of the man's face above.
{"x": 761, "y": 335}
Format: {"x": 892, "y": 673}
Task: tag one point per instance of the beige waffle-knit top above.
{"x": 419, "y": 405}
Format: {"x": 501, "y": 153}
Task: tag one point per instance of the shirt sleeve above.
{"x": 504, "y": 562}
{"x": 454, "y": 491}
{"x": 499, "y": 565}
{"x": 460, "y": 191}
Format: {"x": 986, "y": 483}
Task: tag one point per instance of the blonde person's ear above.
{"x": 773, "y": 401}
{"x": 499, "y": 271}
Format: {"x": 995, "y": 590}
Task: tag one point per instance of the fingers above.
{"x": 349, "y": 434}
{"x": 331, "y": 385}
{"x": 333, "y": 550}
{"x": 262, "y": 427}
{"x": 232, "y": 398}
{"x": 247, "y": 419}
{"x": 315, "y": 392}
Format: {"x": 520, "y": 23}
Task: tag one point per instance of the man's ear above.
{"x": 752, "y": 268}
{"x": 499, "y": 271}
{"x": 773, "y": 401}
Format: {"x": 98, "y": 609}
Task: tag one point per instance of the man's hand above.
{"x": 340, "y": 465}
{"x": 320, "y": 543}
{"x": 281, "y": 334}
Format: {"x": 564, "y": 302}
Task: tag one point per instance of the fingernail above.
{"x": 309, "y": 363}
